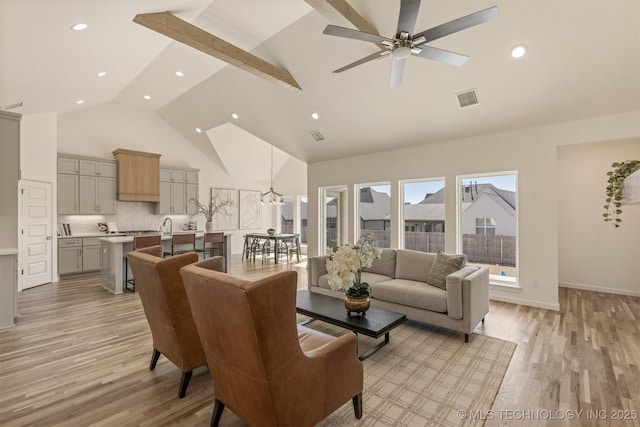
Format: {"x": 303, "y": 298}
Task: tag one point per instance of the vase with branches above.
{"x": 615, "y": 189}
{"x": 210, "y": 209}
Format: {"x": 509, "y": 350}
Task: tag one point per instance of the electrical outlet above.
{"x": 536, "y": 284}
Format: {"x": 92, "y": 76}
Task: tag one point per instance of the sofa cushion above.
{"x": 370, "y": 278}
{"x": 411, "y": 293}
{"x": 385, "y": 265}
{"x": 442, "y": 266}
{"x": 413, "y": 265}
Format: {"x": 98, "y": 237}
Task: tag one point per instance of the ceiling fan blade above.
{"x": 408, "y": 15}
{"x": 397, "y": 69}
{"x": 363, "y": 60}
{"x": 441, "y": 55}
{"x": 334, "y": 30}
{"x": 173, "y": 27}
{"x": 457, "y": 25}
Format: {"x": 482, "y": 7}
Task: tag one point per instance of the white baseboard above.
{"x": 600, "y": 289}
{"x": 530, "y": 303}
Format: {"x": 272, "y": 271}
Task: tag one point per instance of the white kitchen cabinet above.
{"x": 68, "y": 202}
{"x": 98, "y": 195}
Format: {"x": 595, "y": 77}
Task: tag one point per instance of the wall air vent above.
{"x": 317, "y": 135}
{"x": 467, "y": 98}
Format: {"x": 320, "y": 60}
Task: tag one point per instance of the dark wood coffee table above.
{"x": 374, "y": 323}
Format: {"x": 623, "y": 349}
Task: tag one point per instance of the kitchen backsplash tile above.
{"x": 131, "y": 216}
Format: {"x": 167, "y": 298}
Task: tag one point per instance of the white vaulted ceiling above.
{"x": 583, "y": 60}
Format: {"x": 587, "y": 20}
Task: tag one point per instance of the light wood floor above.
{"x": 79, "y": 356}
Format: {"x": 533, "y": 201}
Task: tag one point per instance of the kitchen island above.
{"x": 115, "y": 249}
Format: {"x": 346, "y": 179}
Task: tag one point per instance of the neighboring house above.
{"x": 374, "y": 209}
{"x": 486, "y": 210}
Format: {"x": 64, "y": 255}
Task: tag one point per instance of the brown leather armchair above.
{"x": 265, "y": 368}
{"x": 167, "y": 310}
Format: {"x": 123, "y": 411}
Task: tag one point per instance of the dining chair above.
{"x": 139, "y": 243}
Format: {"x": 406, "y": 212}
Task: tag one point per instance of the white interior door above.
{"x": 36, "y": 234}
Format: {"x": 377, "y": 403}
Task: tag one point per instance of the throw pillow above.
{"x": 442, "y": 266}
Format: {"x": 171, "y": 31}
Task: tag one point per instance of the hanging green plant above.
{"x": 615, "y": 188}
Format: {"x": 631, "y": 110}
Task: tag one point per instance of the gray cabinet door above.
{"x": 178, "y": 198}
{"x": 164, "y": 207}
{"x": 68, "y": 194}
{"x": 89, "y": 195}
{"x": 68, "y": 165}
{"x": 98, "y": 168}
{"x": 69, "y": 260}
{"x": 192, "y": 193}
{"x": 108, "y": 195}
{"x": 98, "y": 195}
{"x": 91, "y": 258}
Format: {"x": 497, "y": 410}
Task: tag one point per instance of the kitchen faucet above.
{"x": 170, "y": 224}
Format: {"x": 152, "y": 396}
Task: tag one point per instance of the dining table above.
{"x": 262, "y": 239}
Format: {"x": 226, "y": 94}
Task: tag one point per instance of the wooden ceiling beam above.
{"x": 339, "y": 12}
{"x": 177, "y": 29}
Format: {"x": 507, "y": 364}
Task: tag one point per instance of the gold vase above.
{"x": 356, "y": 304}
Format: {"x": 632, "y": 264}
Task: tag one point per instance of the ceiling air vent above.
{"x": 317, "y": 135}
{"x": 467, "y": 98}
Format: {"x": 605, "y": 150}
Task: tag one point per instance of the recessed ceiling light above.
{"x": 235, "y": 116}
{"x": 147, "y": 97}
{"x": 101, "y": 74}
{"x": 518, "y": 51}
{"x": 80, "y": 101}
{"x": 179, "y": 73}
{"x": 79, "y": 27}
{"x": 198, "y": 130}
{"x": 315, "y": 116}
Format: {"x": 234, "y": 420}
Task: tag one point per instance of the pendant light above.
{"x": 274, "y": 197}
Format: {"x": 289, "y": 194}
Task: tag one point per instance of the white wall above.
{"x": 593, "y": 254}
{"x": 532, "y": 152}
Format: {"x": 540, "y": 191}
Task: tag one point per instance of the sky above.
{"x": 414, "y": 192}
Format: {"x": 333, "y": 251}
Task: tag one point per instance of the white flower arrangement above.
{"x": 345, "y": 265}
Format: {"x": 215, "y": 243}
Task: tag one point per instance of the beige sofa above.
{"x": 398, "y": 282}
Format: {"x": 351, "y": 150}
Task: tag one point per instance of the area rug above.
{"x": 425, "y": 376}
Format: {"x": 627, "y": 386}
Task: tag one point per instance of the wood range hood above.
{"x": 138, "y": 176}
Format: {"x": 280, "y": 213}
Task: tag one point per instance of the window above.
{"x": 303, "y": 219}
{"x": 423, "y": 214}
{"x": 488, "y": 231}
{"x": 374, "y": 213}
{"x": 486, "y": 226}
{"x": 287, "y": 215}
{"x": 332, "y": 224}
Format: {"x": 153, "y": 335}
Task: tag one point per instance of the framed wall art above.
{"x": 224, "y": 202}
{"x": 250, "y": 210}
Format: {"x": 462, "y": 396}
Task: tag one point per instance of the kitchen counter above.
{"x": 115, "y": 249}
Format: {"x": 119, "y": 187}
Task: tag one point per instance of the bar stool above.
{"x": 217, "y": 244}
{"x": 181, "y": 240}
{"x": 139, "y": 242}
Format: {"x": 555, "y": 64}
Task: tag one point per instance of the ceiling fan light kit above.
{"x": 407, "y": 43}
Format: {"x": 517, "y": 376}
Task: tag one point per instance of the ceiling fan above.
{"x": 407, "y": 43}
